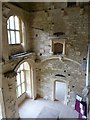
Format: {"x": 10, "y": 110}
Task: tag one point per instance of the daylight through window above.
{"x": 15, "y": 28}
{"x": 21, "y": 80}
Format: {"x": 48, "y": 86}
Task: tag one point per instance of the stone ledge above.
{"x": 10, "y": 74}
{"x": 21, "y": 55}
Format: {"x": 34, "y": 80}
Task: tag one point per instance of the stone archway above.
{"x": 32, "y": 75}
{"x": 66, "y": 91}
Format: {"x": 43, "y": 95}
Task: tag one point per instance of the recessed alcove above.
{"x": 58, "y": 48}
{"x": 57, "y": 45}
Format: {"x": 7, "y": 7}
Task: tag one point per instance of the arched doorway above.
{"x": 24, "y": 82}
{"x": 60, "y": 91}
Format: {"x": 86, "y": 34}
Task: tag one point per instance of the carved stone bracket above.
{"x": 10, "y": 74}
{"x": 5, "y": 10}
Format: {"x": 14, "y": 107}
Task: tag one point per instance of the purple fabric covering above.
{"x": 80, "y": 116}
{"x": 80, "y": 107}
{"x": 77, "y": 106}
{"x": 84, "y": 107}
{"x": 82, "y": 112}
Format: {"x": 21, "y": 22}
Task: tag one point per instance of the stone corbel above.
{"x": 4, "y": 18}
{"x": 5, "y": 11}
{"x": 10, "y": 74}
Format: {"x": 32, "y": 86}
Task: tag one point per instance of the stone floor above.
{"x": 39, "y": 108}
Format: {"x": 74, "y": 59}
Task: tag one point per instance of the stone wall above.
{"x": 71, "y": 71}
{"x": 75, "y": 26}
{"x": 14, "y": 49}
{"x": 9, "y": 65}
{"x": 9, "y": 97}
{"x": 39, "y": 27}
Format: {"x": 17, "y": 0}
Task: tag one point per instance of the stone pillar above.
{"x": 0, "y": 30}
{"x": 9, "y": 95}
{"x": 88, "y": 61}
{"x": 88, "y": 65}
{"x": 34, "y": 89}
{"x": 5, "y": 48}
{"x": 2, "y": 104}
{"x": 0, "y": 44}
{"x": 5, "y": 44}
{"x": 88, "y": 79}
{"x": 27, "y": 46}
{"x": 89, "y": 83}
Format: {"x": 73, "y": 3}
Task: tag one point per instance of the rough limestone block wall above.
{"x": 77, "y": 34}
{"x": 9, "y": 97}
{"x": 46, "y": 76}
{"x": 14, "y": 49}
{"x": 75, "y": 27}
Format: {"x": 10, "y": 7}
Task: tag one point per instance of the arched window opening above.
{"x": 15, "y": 29}
{"x": 23, "y": 80}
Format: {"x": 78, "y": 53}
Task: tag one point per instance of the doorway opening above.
{"x": 60, "y": 91}
{"x": 24, "y": 82}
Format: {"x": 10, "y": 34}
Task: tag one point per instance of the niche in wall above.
{"x": 58, "y": 46}
{"x": 71, "y": 4}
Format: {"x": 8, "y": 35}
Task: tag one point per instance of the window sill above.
{"x": 21, "y": 95}
{"x": 20, "y": 55}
